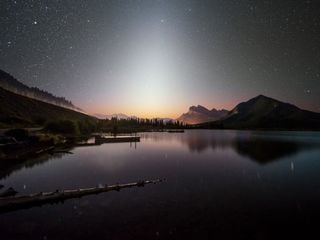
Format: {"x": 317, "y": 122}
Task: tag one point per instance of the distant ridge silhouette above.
{"x": 200, "y": 114}
{"x": 263, "y": 112}
{"x": 115, "y": 115}
{"x": 10, "y": 83}
{"x": 21, "y": 111}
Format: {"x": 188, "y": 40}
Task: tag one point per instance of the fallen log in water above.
{"x": 8, "y": 204}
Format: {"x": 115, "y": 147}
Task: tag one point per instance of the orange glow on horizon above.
{"x": 153, "y": 112}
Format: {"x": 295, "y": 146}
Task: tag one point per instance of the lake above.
{"x": 219, "y": 184}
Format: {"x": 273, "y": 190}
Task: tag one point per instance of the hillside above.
{"x": 17, "y": 110}
{"x": 9, "y": 83}
{"x": 200, "y": 114}
{"x": 263, "y": 112}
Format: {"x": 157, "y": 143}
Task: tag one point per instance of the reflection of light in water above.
{"x": 292, "y": 166}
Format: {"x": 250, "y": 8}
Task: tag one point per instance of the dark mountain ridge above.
{"x": 9, "y": 83}
{"x": 263, "y": 112}
{"x": 20, "y": 111}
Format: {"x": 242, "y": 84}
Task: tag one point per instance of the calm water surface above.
{"x": 219, "y": 184}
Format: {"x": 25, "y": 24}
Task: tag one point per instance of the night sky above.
{"x": 156, "y": 58}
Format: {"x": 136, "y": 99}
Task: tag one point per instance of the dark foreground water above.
{"x": 220, "y": 185}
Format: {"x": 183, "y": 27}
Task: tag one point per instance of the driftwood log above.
{"x": 8, "y": 204}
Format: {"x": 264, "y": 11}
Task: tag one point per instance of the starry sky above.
{"x": 155, "y": 58}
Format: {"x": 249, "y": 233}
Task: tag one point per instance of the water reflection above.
{"x": 261, "y": 147}
{"x": 198, "y": 142}
{"x": 264, "y": 151}
{"x": 9, "y": 167}
{"x": 212, "y": 188}
{"x": 257, "y": 146}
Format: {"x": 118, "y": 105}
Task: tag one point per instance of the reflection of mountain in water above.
{"x": 262, "y": 148}
{"x": 201, "y": 142}
{"x": 264, "y": 151}
{"x": 9, "y": 167}
{"x": 258, "y": 148}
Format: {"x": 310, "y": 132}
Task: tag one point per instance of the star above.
{"x": 307, "y": 91}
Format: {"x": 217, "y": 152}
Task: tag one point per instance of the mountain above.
{"x": 199, "y": 114}
{"x": 9, "y": 83}
{"x": 20, "y": 111}
{"x": 115, "y": 115}
{"x": 264, "y": 112}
